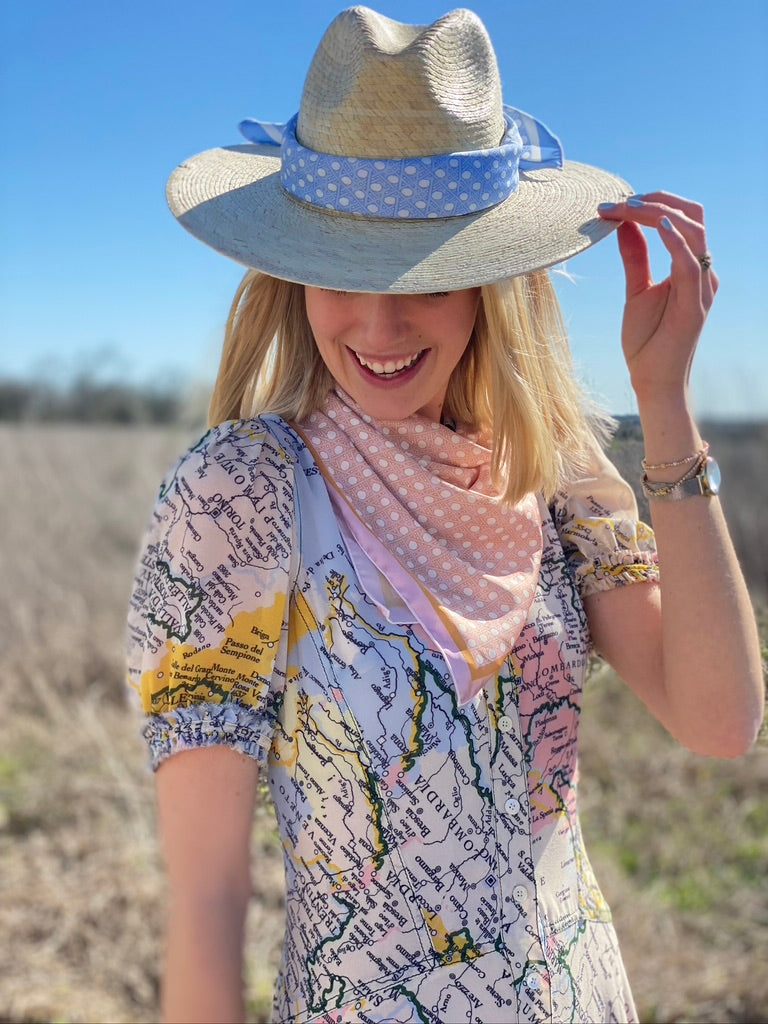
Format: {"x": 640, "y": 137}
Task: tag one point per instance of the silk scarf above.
{"x": 419, "y": 500}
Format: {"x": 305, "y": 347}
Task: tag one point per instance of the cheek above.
{"x": 459, "y": 329}
{"x": 328, "y": 312}
{"x": 327, "y": 350}
{"x": 316, "y": 318}
{"x": 327, "y": 329}
{"x": 322, "y": 312}
{"x": 460, "y": 319}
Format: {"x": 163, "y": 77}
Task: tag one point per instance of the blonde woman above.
{"x": 377, "y": 579}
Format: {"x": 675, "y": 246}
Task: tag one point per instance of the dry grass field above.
{"x": 680, "y": 843}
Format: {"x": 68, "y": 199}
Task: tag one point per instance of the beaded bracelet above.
{"x": 696, "y": 457}
{"x": 659, "y": 489}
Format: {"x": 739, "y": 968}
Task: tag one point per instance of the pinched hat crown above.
{"x": 379, "y": 89}
{"x": 402, "y": 172}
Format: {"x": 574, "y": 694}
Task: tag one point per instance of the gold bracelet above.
{"x": 696, "y": 457}
{"x": 662, "y": 489}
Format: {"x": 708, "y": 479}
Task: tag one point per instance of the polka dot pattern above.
{"x": 418, "y": 188}
{"x": 421, "y": 188}
{"x": 477, "y": 559}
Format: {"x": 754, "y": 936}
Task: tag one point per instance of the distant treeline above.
{"x": 86, "y": 400}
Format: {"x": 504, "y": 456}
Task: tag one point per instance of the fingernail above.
{"x": 637, "y": 195}
{"x": 665, "y": 223}
{"x": 607, "y": 206}
{"x": 634, "y": 202}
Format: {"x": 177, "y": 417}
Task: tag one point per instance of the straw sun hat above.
{"x": 402, "y": 172}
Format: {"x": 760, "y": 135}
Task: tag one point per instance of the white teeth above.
{"x": 390, "y": 367}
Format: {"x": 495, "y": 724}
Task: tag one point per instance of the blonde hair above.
{"x": 515, "y": 381}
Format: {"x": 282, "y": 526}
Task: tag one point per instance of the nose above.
{"x": 383, "y": 320}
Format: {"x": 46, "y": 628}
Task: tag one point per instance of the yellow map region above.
{"x": 242, "y": 665}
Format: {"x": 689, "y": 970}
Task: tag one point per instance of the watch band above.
{"x": 704, "y": 482}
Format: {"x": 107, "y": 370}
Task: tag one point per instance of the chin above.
{"x": 387, "y": 408}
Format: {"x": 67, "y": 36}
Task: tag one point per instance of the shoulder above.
{"x": 239, "y": 459}
{"x": 237, "y": 452}
{"x": 598, "y": 490}
{"x": 223, "y": 530}
{"x": 230, "y": 498}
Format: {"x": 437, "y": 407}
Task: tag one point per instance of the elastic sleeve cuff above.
{"x": 209, "y": 725}
{"x": 606, "y": 551}
{"x": 618, "y": 570}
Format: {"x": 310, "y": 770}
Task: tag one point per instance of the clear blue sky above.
{"x": 100, "y": 101}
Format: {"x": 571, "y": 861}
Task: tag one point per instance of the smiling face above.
{"x": 393, "y": 354}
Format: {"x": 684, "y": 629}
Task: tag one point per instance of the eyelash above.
{"x": 428, "y": 295}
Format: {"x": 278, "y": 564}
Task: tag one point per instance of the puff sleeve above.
{"x": 605, "y": 543}
{"x": 207, "y": 625}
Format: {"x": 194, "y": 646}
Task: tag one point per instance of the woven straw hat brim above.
{"x": 231, "y": 199}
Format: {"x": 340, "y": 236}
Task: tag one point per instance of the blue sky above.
{"x": 101, "y": 101}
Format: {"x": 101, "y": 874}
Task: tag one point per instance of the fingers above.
{"x": 687, "y": 219}
{"x": 634, "y": 255}
{"x": 648, "y": 212}
{"x": 694, "y": 211}
{"x": 686, "y": 270}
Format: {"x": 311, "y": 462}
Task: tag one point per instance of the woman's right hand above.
{"x": 206, "y": 800}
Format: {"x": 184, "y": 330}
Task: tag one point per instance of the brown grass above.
{"x": 680, "y": 843}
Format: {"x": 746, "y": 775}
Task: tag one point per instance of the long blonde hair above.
{"x": 514, "y": 382}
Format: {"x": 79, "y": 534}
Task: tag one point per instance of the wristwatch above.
{"x": 706, "y": 482}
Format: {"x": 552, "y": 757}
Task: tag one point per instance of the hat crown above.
{"x": 379, "y": 89}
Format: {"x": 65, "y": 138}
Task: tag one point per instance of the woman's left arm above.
{"x": 689, "y": 648}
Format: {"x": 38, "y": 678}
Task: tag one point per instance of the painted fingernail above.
{"x": 634, "y": 202}
{"x": 665, "y": 223}
{"x": 638, "y": 195}
{"x": 606, "y": 206}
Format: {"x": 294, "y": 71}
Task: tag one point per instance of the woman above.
{"x": 378, "y": 577}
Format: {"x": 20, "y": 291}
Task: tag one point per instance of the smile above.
{"x": 393, "y": 367}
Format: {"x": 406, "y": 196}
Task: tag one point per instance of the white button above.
{"x": 533, "y": 983}
{"x": 512, "y": 806}
{"x": 505, "y": 724}
{"x": 520, "y": 893}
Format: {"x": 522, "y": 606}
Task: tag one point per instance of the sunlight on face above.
{"x": 393, "y": 354}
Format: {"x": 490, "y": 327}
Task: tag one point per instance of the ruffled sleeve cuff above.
{"x": 209, "y": 725}
{"x": 604, "y": 553}
{"x": 604, "y": 542}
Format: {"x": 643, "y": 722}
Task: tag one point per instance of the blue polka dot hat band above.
{"x": 438, "y": 186}
{"x": 420, "y": 188}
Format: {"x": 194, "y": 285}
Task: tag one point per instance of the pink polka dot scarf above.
{"x": 419, "y": 500}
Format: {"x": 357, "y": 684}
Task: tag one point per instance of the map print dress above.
{"x": 434, "y": 865}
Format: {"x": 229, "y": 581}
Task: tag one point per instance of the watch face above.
{"x": 710, "y": 476}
